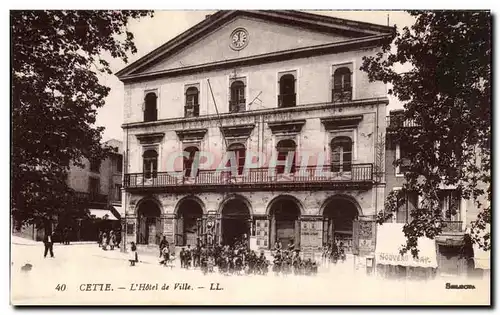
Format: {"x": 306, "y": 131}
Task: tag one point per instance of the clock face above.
{"x": 239, "y": 39}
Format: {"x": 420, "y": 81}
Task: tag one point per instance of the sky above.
{"x": 150, "y": 33}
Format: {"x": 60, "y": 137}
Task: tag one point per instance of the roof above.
{"x": 295, "y": 18}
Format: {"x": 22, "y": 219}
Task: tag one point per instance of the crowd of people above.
{"x": 236, "y": 259}
{"x": 109, "y": 239}
{"x": 334, "y": 252}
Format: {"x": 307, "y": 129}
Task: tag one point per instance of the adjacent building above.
{"x": 450, "y": 252}
{"x": 98, "y": 185}
{"x": 211, "y": 117}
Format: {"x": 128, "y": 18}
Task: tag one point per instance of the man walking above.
{"x": 48, "y": 241}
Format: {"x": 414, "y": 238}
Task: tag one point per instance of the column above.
{"x": 297, "y": 233}
{"x": 272, "y": 239}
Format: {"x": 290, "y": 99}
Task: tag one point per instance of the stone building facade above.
{"x": 211, "y": 117}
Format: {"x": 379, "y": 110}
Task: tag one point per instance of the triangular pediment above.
{"x": 212, "y": 40}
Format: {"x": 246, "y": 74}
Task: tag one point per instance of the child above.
{"x": 133, "y": 254}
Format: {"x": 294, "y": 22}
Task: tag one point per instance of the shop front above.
{"x": 391, "y": 264}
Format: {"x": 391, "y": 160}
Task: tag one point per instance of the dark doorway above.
{"x": 189, "y": 223}
{"x": 149, "y": 224}
{"x": 285, "y": 227}
{"x": 338, "y": 218}
{"x": 235, "y": 222}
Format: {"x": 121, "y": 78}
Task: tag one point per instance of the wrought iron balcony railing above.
{"x": 452, "y": 227}
{"x": 396, "y": 121}
{"x": 237, "y": 106}
{"x": 342, "y": 95}
{"x": 251, "y": 176}
{"x": 192, "y": 110}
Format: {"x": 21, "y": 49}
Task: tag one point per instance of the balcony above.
{"x": 238, "y": 106}
{"x": 86, "y": 198}
{"x": 287, "y": 100}
{"x": 341, "y": 95}
{"x": 192, "y": 110}
{"x": 310, "y": 177}
{"x": 397, "y": 121}
{"x": 452, "y": 227}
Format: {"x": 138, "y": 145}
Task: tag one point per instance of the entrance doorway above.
{"x": 189, "y": 222}
{"x": 149, "y": 223}
{"x": 338, "y": 218}
{"x": 235, "y": 222}
{"x": 285, "y": 227}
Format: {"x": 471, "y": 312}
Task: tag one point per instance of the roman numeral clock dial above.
{"x": 239, "y": 39}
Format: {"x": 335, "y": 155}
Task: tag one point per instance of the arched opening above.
{"x": 150, "y": 107}
{"x": 285, "y": 225}
{"x": 239, "y": 152}
{"x": 189, "y": 223}
{"x": 150, "y": 163}
{"x": 192, "y": 108}
{"x": 342, "y": 88}
{"x": 148, "y": 217}
{"x": 237, "y": 102}
{"x": 338, "y": 217}
{"x": 236, "y": 221}
{"x": 189, "y": 161}
{"x": 341, "y": 154}
{"x": 287, "y": 97}
{"x": 284, "y": 147}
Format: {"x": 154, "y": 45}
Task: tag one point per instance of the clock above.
{"x": 239, "y": 39}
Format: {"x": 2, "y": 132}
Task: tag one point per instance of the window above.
{"x": 342, "y": 87}
{"x": 240, "y": 154}
{"x": 409, "y": 203}
{"x": 402, "y": 154}
{"x": 449, "y": 202}
{"x": 287, "y": 96}
{"x": 119, "y": 163}
{"x": 341, "y": 154}
{"x": 192, "y": 108}
{"x": 188, "y": 162}
{"x": 283, "y": 147}
{"x": 95, "y": 165}
{"x": 150, "y": 107}
{"x": 237, "y": 101}
{"x": 150, "y": 163}
{"x": 118, "y": 192}
{"x": 94, "y": 187}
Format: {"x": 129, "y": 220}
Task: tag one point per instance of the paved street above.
{"x": 77, "y": 265}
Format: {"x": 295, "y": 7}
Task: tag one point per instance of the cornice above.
{"x": 256, "y": 113}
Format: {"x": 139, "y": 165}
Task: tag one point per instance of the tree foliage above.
{"x": 56, "y": 56}
{"x": 447, "y": 95}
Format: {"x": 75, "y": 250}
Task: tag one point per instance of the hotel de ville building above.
{"x": 267, "y": 87}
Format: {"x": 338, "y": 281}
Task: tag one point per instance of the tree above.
{"x": 447, "y": 95}
{"x": 56, "y": 56}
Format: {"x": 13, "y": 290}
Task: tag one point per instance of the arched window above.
{"x": 287, "y": 96}
{"x": 342, "y": 88}
{"x": 284, "y": 147}
{"x": 150, "y": 107}
{"x": 341, "y": 154}
{"x": 237, "y": 102}
{"x": 189, "y": 161}
{"x": 240, "y": 153}
{"x": 192, "y": 108}
{"x": 150, "y": 163}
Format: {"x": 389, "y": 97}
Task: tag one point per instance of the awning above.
{"x": 119, "y": 210}
{"x": 102, "y": 214}
{"x": 390, "y": 239}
